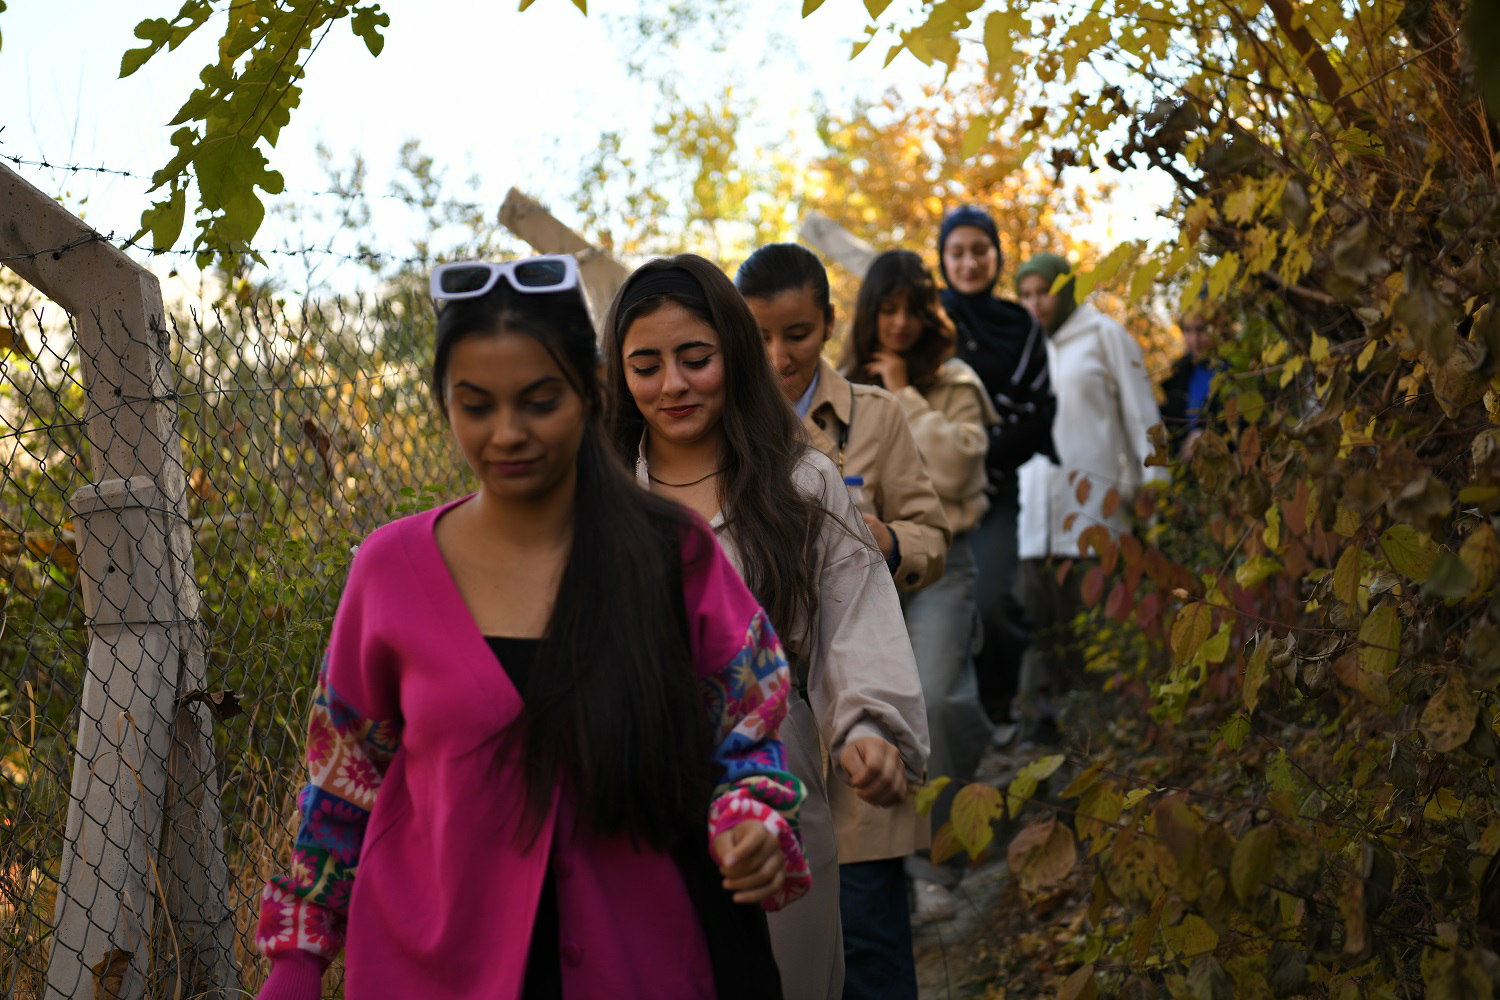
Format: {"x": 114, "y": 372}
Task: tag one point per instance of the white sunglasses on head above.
{"x": 469, "y": 279}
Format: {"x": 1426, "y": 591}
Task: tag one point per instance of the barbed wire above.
{"x": 82, "y": 168}
{"x": 132, "y": 243}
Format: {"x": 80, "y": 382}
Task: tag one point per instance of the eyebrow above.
{"x": 544, "y": 380}
{"x": 653, "y": 352}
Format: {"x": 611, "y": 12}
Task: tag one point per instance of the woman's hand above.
{"x": 875, "y": 771}
{"x": 750, "y": 860}
{"x": 890, "y": 368}
{"x": 882, "y": 533}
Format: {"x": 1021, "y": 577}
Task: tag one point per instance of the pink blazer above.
{"x": 410, "y": 847}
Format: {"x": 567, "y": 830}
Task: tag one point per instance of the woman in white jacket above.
{"x": 1105, "y": 410}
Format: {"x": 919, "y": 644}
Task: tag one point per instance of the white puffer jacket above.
{"x": 1105, "y": 409}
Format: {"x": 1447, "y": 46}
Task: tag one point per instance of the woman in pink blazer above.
{"x": 543, "y": 748}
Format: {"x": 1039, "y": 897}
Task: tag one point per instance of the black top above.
{"x": 544, "y": 960}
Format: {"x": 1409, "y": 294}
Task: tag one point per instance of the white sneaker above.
{"x": 934, "y": 903}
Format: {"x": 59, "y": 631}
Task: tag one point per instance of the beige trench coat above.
{"x": 950, "y": 425}
{"x": 878, "y": 446}
{"x": 861, "y": 680}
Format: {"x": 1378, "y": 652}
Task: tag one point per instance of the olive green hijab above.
{"x": 1050, "y": 266}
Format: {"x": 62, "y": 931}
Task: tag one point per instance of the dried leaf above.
{"x": 110, "y": 973}
{"x": 1251, "y": 862}
{"x": 1191, "y": 630}
{"x": 1042, "y": 855}
{"x": 1448, "y": 719}
{"x": 1080, "y": 985}
{"x": 1480, "y": 552}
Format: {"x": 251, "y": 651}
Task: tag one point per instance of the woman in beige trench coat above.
{"x": 696, "y": 408}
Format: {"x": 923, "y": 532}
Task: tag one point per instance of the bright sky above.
{"x": 518, "y": 99}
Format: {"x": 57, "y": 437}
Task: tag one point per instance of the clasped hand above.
{"x": 750, "y": 859}
{"x": 876, "y": 772}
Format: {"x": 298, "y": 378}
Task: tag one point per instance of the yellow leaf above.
{"x": 1080, "y": 985}
{"x": 1190, "y": 630}
{"x": 1448, "y": 719}
{"x": 927, "y": 795}
{"x": 1480, "y": 552}
{"x": 975, "y": 136}
{"x": 1380, "y": 640}
{"x": 1255, "y": 673}
{"x": 1192, "y": 937}
{"x": 1251, "y": 861}
{"x": 1099, "y": 810}
{"x": 1365, "y": 356}
{"x": 1319, "y": 351}
{"x": 975, "y": 809}
{"x": 1256, "y": 570}
{"x": 1346, "y": 576}
{"x": 1409, "y": 551}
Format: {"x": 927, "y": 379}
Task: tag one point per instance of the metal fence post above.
{"x": 144, "y": 759}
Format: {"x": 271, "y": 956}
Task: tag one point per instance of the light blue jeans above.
{"x": 944, "y": 626}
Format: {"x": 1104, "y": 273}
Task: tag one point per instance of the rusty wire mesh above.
{"x": 303, "y": 427}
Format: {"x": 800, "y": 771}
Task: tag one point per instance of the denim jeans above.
{"x": 878, "y": 960}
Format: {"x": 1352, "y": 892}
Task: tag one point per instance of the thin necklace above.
{"x": 682, "y": 486}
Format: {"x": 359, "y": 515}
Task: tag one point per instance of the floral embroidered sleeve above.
{"x": 347, "y": 757}
{"x": 746, "y": 701}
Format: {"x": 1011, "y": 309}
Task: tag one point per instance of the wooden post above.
{"x": 602, "y": 274}
{"x": 120, "y": 860}
{"x": 837, "y": 243}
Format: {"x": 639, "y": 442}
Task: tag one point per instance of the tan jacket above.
{"x": 861, "y": 681}
{"x": 951, "y": 426}
{"x": 879, "y": 446}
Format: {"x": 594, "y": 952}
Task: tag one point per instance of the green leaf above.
{"x": 1251, "y": 862}
{"x": 927, "y": 795}
{"x": 1450, "y": 578}
{"x": 525, "y": 4}
{"x": 876, "y": 7}
{"x": 163, "y": 220}
{"x": 1233, "y": 732}
{"x": 369, "y": 20}
{"x": 999, "y": 43}
{"x": 1409, "y": 551}
{"x": 1256, "y": 570}
{"x": 134, "y": 59}
{"x": 582, "y": 6}
{"x": 1380, "y": 640}
{"x": 808, "y": 6}
{"x": 975, "y": 135}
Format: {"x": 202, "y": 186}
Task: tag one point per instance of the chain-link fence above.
{"x": 302, "y": 427}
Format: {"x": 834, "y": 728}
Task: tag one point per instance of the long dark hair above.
{"x": 775, "y": 524}
{"x": 893, "y": 273}
{"x": 613, "y": 706}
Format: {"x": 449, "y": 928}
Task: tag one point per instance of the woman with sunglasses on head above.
{"x": 543, "y": 745}
{"x": 695, "y": 406}
{"x": 1006, "y": 347}
{"x": 902, "y": 340}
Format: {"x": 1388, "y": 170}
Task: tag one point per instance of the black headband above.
{"x": 669, "y": 281}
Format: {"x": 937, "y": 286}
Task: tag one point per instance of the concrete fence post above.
{"x": 602, "y": 275}
{"x": 833, "y": 240}
{"x": 143, "y": 820}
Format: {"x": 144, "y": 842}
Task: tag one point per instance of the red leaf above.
{"x": 1093, "y": 586}
{"x": 1109, "y": 556}
{"x": 1118, "y": 605}
{"x": 1148, "y": 611}
{"x": 1111, "y": 502}
{"x": 1063, "y": 569}
{"x": 1130, "y": 548}
{"x": 1083, "y": 489}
